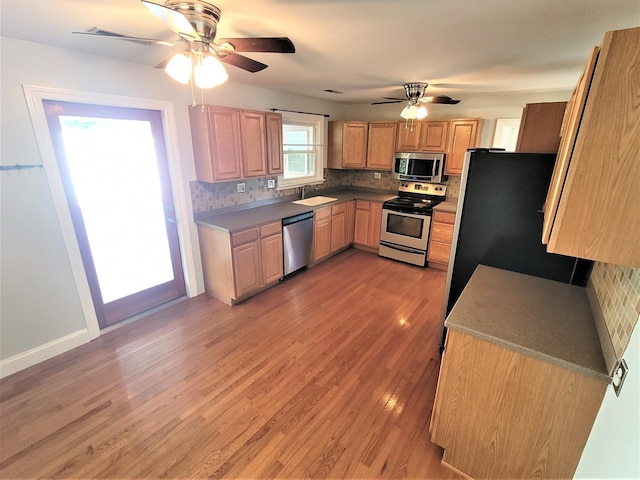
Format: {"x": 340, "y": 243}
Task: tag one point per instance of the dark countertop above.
{"x": 241, "y": 217}
{"x": 549, "y": 320}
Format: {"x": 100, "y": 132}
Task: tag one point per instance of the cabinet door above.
{"x": 434, "y": 136}
{"x": 381, "y": 145}
{"x": 321, "y": 233}
{"x": 464, "y": 135}
{"x": 375, "y": 216}
{"x": 354, "y": 145}
{"x": 254, "y": 143}
{"x": 361, "y": 228}
{"x": 225, "y": 142}
{"x": 338, "y": 227}
{"x": 271, "y": 253}
{"x": 350, "y": 220}
{"x": 570, "y": 125}
{"x": 246, "y": 268}
{"x": 408, "y": 136}
{"x": 540, "y": 127}
{"x": 274, "y": 143}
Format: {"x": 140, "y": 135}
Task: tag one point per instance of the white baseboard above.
{"x": 43, "y": 352}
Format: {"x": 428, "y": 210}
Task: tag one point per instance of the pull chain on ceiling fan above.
{"x": 195, "y": 22}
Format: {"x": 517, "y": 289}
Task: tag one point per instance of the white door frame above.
{"x": 34, "y": 96}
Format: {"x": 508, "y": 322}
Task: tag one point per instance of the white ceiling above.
{"x": 365, "y": 48}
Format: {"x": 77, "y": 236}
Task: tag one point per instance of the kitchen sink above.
{"x": 314, "y": 201}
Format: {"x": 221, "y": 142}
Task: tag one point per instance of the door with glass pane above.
{"x": 114, "y": 168}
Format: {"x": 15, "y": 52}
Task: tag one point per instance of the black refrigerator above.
{"x": 499, "y": 221}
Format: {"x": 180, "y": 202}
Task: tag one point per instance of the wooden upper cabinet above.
{"x": 597, "y": 198}
{"x": 230, "y": 144}
{"x": 254, "y": 143}
{"x": 464, "y": 134}
{"x": 273, "y": 123}
{"x": 434, "y": 136}
{"x": 381, "y": 145}
{"x": 347, "y": 144}
{"x": 540, "y": 127}
{"x": 408, "y": 136}
{"x": 216, "y": 143}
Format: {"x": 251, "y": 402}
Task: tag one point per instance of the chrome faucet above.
{"x": 305, "y": 190}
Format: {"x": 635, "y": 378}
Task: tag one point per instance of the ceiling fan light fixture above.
{"x": 179, "y": 68}
{"x": 413, "y": 112}
{"x": 209, "y": 72}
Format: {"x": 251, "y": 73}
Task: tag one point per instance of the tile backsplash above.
{"x": 210, "y": 196}
{"x": 618, "y": 291}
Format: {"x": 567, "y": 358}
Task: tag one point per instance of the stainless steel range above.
{"x": 406, "y": 219}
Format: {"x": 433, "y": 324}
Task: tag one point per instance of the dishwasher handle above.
{"x": 297, "y": 218}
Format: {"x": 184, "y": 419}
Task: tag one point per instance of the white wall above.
{"x": 40, "y": 310}
{"x": 613, "y": 447}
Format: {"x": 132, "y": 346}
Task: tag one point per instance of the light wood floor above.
{"x": 330, "y": 374}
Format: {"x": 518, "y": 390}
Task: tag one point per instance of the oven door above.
{"x": 405, "y": 229}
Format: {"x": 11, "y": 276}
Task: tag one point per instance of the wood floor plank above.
{"x": 330, "y": 374}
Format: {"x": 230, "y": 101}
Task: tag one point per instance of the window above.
{"x": 303, "y": 142}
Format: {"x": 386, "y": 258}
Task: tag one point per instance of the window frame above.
{"x": 320, "y": 124}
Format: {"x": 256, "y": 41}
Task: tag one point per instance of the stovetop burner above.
{"x": 417, "y": 197}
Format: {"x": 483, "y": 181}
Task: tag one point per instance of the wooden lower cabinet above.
{"x": 238, "y": 265}
{"x": 321, "y": 234}
{"x": 367, "y": 225}
{"x": 440, "y": 238}
{"x": 501, "y": 414}
{"x": 338, "y": 227}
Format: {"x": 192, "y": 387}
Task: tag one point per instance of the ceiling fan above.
{"x": 415, "y": 96}
{"x": 195, "y": 22}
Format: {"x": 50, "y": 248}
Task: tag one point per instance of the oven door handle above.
{"x": 401, "y": 248}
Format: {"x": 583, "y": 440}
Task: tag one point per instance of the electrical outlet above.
{"x": 240, "y": 187}
{"x": 376, "y": 175}
{"x": 271, "y": 183}
{"x": 619, "y": 374}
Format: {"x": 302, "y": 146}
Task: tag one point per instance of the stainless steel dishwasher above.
{"x": 297, "y": 235}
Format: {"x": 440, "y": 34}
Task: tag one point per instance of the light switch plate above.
{"x": 240, "y": 187}
{"x": 271, "y": 183}
{"x": 376, "y": 176}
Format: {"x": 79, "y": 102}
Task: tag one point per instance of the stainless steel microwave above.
{"x": 417, "y": 166}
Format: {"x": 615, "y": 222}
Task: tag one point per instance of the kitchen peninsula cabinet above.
{"x": 231, "y": 144}
{"x": 367, "y": 225}
{"x": 347, "y": 144}
{"x": 440, "y": 238}
{"x": 593, "y": 203}
{"x": 237, "y": 265}
{"x": 332, "y": 229}
{"x": 463, "y": 134}
{"x": 521, "y": 379}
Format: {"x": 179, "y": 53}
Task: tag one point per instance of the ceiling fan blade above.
{"x": 98, "y": 32}
{"x": 245, "y": 63}
{"x": 391, "y": 100}
{"x": 443, "y": 99}
{"x": 175, "y": 20}
{"x": 267, "y": 44}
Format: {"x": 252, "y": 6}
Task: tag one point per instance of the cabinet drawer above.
{"x": 444, "y": 217}
{"x": 363, "y": 204}
{"x": 322, "y": 213}
{"x": 246, "y": 236}
{"x": 270, "y": 229}
{"x": 341, "y": 208}
{"x": 439, "y": 252}
{"x": 441, "y": 232}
